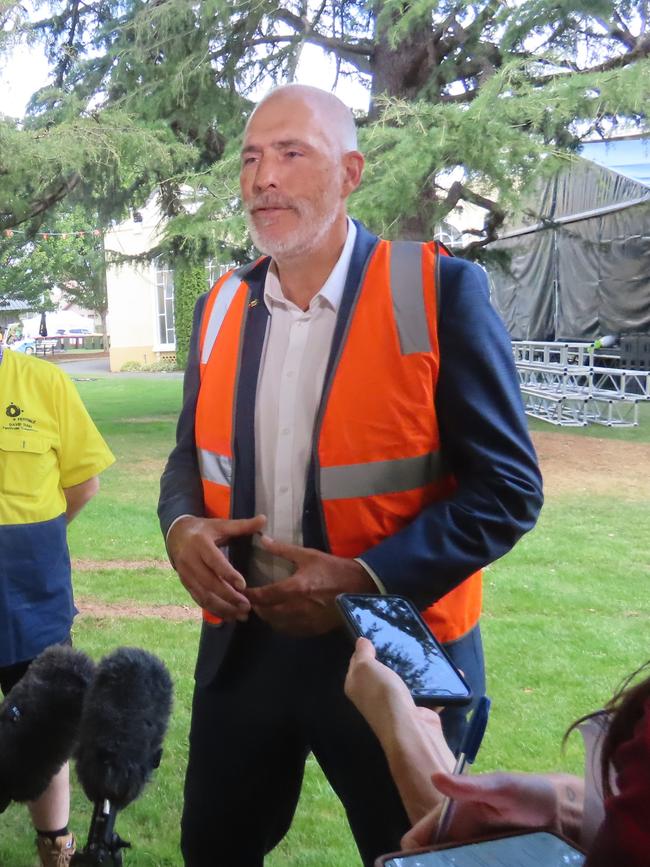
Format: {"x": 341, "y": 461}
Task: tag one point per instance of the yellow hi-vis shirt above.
{"x": 48, "y": 441}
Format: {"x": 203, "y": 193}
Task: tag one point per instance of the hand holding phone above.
{"x": 405, "y": 644}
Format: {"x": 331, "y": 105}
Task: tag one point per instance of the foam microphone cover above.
{"x": 39, "y": 722}
{"x": 123, "y": 725}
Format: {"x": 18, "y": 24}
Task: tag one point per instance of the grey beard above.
{"x": 297, "y": 244}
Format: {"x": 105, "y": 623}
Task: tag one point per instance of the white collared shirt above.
{"x": 289, "y": 388}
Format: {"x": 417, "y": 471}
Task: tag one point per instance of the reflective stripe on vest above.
{"x": 407, "y": 291}
{"x": 219, "y": 344}
{"x": 380, "y": 477}
{"x": 215, "y": 468}
{"x": 376, "y": 441}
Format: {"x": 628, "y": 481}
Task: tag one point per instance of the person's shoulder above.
{"x": 460, "y": 278}
{"x": 37, "y": 368}
{"x": 455, "y": 268}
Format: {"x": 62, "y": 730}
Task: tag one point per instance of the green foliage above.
{"x": 104, "y": 157}
{"x": 161, "y": 366}
{"x": 189, "y": 283}
{"x": 500, "y": 143}
{"x": 70, "y": 258}
{"x": 148, "y": 95}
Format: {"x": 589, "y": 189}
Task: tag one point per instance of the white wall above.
{"x": 131, "y": 289}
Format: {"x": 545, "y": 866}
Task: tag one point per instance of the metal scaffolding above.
{"x": 561, "y": 384}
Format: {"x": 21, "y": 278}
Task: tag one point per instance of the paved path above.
{"x": 96, "y": 364}
{"x": 99, "y": 366}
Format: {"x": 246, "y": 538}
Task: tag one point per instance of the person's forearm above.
{"x": 415, "y": 747}
{"x": 77, "y": 496}
{"x": 570, "y": 794}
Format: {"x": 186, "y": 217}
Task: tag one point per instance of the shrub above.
{"x": 189, "y": 282}
{"x": 162, "y": 366}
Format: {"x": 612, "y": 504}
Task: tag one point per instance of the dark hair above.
{"x": 624, "y": 709}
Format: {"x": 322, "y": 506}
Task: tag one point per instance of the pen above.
{"x": 466, "y": 754}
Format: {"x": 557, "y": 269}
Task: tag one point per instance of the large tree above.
{"x": 67, "y": 254}
{"x": 469, "y": 100}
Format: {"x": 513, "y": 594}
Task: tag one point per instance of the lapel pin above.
{"x": 253, "y": 303}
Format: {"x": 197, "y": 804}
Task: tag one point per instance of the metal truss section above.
{"x": 544, "y": 352}
{"x": 558, "y": 409}
{"x": 612, "y": 412}
{"x": 554, "y": 378}
{"x": 625, "y": 384}
{"x": 561, "y": 385}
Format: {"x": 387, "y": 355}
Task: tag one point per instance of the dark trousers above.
{"x": 274, "y": 700}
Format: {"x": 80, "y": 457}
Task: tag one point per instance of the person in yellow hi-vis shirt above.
{"x": 50, "y": 457}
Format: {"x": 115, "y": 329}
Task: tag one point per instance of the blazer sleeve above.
{"x": 485, "y": 442}
{"x": 181, "y": 492}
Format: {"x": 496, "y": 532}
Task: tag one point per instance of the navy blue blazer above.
{"x": 483, "y": 429}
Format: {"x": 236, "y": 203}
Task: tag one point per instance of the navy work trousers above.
{"x": 274, "y": 700}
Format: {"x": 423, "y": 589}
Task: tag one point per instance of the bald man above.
{"x": 351, "y": 423}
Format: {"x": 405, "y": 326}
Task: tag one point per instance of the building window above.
{"x": 448, "y": 234}
{"x": 214, "y": 270}
{"x": 165, "y": 304}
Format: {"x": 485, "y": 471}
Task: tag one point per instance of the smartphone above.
{"x": 534, "y": 849}
{"x": 405, "y": 644}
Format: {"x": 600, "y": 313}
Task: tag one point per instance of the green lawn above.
{"x": 566, "y": 616}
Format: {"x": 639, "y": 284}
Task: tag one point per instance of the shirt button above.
{"x": 285, "y": 431}
{"x": 290, "y": 373}
{"x": 283, "y": 489}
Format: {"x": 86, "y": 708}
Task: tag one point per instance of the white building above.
{"x": 140, "y": 293}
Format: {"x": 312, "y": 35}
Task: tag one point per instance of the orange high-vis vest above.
{"x": 377, "y": 454}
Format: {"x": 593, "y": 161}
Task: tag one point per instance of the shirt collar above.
{"x": 331, "y": 291}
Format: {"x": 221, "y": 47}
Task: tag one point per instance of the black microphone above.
{"x": 123, "y": 725}
{"x": 39, "y": 720}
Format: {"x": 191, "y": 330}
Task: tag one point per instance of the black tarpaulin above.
{"x": 579, "y": 266}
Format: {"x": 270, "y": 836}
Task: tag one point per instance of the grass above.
{"x": 566, "y": 617}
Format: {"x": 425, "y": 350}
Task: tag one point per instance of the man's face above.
{"x": 292, "y": 178}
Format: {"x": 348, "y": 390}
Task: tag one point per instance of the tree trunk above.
{"x": 402, "y": 72}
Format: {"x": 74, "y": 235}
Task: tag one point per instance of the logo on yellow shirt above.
{"x": 13, "y": 411}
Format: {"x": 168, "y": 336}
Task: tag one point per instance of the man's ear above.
{"x": 353, "y": 163}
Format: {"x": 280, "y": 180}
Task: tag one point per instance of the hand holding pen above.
{"x": 466, "y": 755}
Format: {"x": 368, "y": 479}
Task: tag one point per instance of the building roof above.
{"x": 13, "y": 304}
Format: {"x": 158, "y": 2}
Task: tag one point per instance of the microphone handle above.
{"x": 104, "y": 846}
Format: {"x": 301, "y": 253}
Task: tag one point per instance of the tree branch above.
{"x": 68, "y": 48}
{"x": 40, "y": 206}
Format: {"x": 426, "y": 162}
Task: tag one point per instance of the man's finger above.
{"x": 295, "y": 553}
{"x": 207, "y": 598}
{"x": 271, "y": 594}
{"x": 216, "y": 593}
{"x": 220, "y": 566}
{"x": 242, "y": 526}
{"x": 224, "y": 609}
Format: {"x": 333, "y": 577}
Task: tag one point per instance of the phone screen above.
{"x": 405, "y": 645}
{"x": 539, "y": 849}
